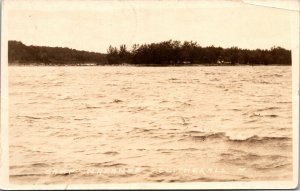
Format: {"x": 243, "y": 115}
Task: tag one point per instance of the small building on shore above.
{"x": 222, "y": 62}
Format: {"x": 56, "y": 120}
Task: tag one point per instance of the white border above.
{"x": 4, "y": 180}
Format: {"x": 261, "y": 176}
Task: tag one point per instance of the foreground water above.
{"x": 143, "y": 124}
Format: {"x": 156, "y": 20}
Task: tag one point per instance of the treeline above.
{"x": 190, "y": 53}
{"x": 18, "y": 53}
{"x": 167, "y": 53}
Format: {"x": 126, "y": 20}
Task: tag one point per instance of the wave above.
{"x": 268, "y": 108}
{"x": 260, "y": 115}
{"x": 92, "y": 107}
{"x": 271, "y": 75}
{"x": 108, "y": 164}
{"x": 117, "y": 101}
{"x": 284, "y": 102}
{"x": 175, "y": 150}
{"x": 67, "y": 98}
{"x": 25, "y": 175}
{"x": 221, "y": 136}
{"x": 111, "y": 153}
{"x": 36, "y": 118}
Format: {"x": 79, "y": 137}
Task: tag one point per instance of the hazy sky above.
{"x": 94, "y": 25}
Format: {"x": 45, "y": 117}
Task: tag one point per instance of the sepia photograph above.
{"x": 149, "y": 94}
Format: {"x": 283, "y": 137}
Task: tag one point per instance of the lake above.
{"x": 119, "y": 124}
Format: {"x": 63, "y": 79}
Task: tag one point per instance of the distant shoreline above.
{"x": 163, "y": 54}
{"x": 140, "y": 65}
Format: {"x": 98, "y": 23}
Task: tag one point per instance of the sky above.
{"x": 94, "y": 25}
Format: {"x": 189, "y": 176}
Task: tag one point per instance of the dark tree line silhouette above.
{"x": 167, "y": 53}
{"x": 190, "y": 53}
{"x": 41, "y": 55}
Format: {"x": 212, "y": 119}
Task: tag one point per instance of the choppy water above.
{"x": 143, "y": 124}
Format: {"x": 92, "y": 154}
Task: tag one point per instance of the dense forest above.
{"x": 190, "y": 53}
{"x": 167, "y": 53}
{"x": 18, "y": 53}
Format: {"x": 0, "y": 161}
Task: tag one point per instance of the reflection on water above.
{"x": 144, "y": 124}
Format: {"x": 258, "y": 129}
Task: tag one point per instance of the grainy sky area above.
{"x": 94, "y": 25}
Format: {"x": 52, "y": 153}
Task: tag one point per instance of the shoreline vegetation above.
{"x": 162, "y": 54}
